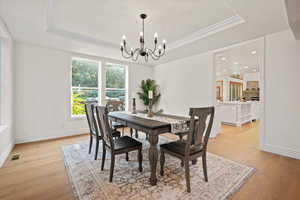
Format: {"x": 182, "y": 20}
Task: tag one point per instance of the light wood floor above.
{"x": 40, "y": 173}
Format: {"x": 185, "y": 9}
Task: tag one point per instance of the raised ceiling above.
{"x": 109, "y": 20}
{"x": 95, "y": 27}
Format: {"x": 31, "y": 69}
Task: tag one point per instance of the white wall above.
{"x": 282, "y": 107}
{"x": 42, "y": 85}
{"x": 6, "y": 93}
{"x": 186, "y": 83}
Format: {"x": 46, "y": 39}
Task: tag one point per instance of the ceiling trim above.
{"x": 200, "y": 34}
{"x": 207, "y": 31}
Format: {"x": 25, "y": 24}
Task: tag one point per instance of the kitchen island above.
{"x": 238, "y": 113}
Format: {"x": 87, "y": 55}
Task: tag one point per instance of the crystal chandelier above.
{"x": 155, "y": 54}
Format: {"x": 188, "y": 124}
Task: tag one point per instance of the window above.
{"x": 85, "y": 79}
{"x": 116, "y": 82}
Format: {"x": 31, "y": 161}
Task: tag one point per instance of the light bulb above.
{"x": 164, "y": 41}
{"x": 141, "y": 34}
{"x": 123, "y": 37}
{"x": 155, "y": 35}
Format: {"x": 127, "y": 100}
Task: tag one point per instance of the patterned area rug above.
{"x": 225, "y": 177}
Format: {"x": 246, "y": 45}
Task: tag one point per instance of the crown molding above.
{"x": 200, "y": 34}
{"x": 207, "y": 31}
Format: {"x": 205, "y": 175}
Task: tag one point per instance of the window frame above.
{"x": 83, "y": 116}
{"x": 126, "y": 81}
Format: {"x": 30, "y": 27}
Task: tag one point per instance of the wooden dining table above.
{"x": 153, "y": 128}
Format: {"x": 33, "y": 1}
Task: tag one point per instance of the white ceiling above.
{"x": 239, "y": 60}
{"x": 95, "y": 26}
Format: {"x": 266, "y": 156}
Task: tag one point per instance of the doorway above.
{"x": 239, "y": 89}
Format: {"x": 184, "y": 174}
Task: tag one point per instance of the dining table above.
{"x": 153, "y": 128}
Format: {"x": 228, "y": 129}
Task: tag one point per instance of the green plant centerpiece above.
{"x": 146, "y": 86}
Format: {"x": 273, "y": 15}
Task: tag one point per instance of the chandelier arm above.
{"x": 152, "y": 53}
{"x": 136, "y": 50}
{"x": 126, "y": 51}
{"x": 163, "y": 53}
{"x": 135, "y": 58}
{"x": 153, "y": 56}
{"x": 126, "y": 56}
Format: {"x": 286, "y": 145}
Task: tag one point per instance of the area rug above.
{"x": 225, "y": 177}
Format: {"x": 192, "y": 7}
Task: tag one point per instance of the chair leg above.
{"x": 123, "y": 131}
{"x": 103, "y": 157}
{"x": 204, "y": 166}
{"x": 112, "y": 166}
{"x": 147, "y": 137}
{"x": 131, "y": 132}
{"x": 187, "y": 175}
{"x": 136, "y": 134}
{"x": 96, "y": 149}
{"x": 162, "y": 162}
{"x": 140, "y": 158}
{"x": 127, "y": 156}
{"x": 91, "y": 144}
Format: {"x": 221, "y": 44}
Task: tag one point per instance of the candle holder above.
{"x": 150, "y": 112}
{"x": 133, "y": 106}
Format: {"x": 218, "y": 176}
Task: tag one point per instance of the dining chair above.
{"x": 194, "y": 146}
{"x": 93, "y": 126}
{"x": 124, "y": 144}
{"x": 116, "y": 105}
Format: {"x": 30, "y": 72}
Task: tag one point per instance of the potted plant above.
{"x": 146, "y": 86}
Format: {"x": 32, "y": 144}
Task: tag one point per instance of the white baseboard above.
{"x": 4, "y": 155}
{"x": 47, "y": 137}
{"x": 281, "y": 151}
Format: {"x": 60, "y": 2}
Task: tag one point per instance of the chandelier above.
{"x": 155, "y": 54}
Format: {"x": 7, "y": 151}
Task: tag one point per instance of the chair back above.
{"x": 89, "y": 116}
{"x": 199, "y": 128}
{"x": 104, "y": 126}
{"x": 114, "y": 105}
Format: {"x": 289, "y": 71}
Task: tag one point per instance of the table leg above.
{"x": 153, "y": 156}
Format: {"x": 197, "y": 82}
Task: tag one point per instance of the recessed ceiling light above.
{"x": 223, "y": 58}
{"x": 236, "y": 63}
{"x": 253, "y": 52}
{"x": 246, "y": 67}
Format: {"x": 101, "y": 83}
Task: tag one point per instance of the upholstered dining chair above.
{"x": 194, "y": 146}
{"x": 93, "y": 126}
{"x": 124, "y": 144}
